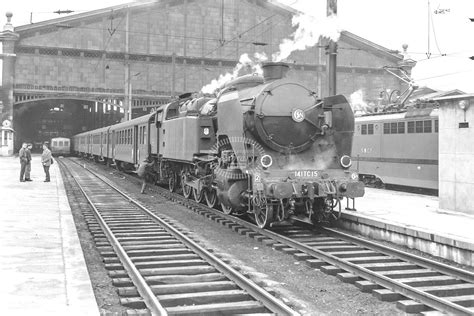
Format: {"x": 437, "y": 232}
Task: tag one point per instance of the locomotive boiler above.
{"x": 281, "y": 151}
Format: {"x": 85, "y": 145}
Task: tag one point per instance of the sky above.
{"x": 389, "y": 23}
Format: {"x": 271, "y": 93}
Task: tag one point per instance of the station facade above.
{"x": 141, "y": 55}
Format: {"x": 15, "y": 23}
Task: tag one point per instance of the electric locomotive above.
{"x": 60, "y": 146}
{"x": 398, "y": 149}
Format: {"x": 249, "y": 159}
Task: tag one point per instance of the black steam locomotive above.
{"x": 265, "y": 146}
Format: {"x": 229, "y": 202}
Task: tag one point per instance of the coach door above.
{"x": 108, "y": 144}
{"x": 156, "y": 133}
{"x": 135, "y": 144}
{"x": 113, "y": 144}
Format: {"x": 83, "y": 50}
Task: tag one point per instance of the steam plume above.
{"x": 308, "y": 33}
{"x": 245, "y": 62}
{"x": 359, "y": 106}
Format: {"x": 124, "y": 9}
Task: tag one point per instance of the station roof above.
{"x": 455, "y": 97}
{"x": 346, "y": 36}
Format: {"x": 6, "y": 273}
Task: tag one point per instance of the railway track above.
{"x": 417, "y": 284}
{"x": 159, "y": 269}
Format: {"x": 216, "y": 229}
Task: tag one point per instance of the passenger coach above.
{"x": 123, "y": 144}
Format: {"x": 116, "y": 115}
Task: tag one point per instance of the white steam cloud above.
{"x": 358, "y": 105}
{"x": 308, "y": 33}
{"x": 245, "y": 62}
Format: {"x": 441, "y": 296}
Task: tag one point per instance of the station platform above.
{"x": 414, "y": 221}
{"x": 42, "y": 266}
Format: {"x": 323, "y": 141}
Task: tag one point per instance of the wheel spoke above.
{"x": 198, "y": 197}
{"x": 226, "y": 209}
{"x": 187, "y": 190}
{"x": 264, "y": 216}
{"x": 211, "y": 197}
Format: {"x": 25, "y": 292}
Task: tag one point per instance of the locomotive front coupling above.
{"x": 322, "y": 188}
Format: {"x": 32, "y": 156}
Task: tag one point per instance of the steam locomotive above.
{"x": 265, "y": 146}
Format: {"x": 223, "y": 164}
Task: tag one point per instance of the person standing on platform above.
{"x": 28, "y": 164}
{"x": 142, "y": 172}
{"x": 23, "y": 161}
{"x": 46, "y": 158}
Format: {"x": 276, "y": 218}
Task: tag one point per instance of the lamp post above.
{"x": 128, "y": 98}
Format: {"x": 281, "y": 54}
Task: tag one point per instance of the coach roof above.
{"x": 136, "y": 121}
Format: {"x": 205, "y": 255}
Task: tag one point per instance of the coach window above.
{"x": 411, "y": 127}
{"x": 370, "y": 129}
{"x": 172, "y": 111}
{"x": 386, "y": 128}
{"x": 436, "y": 126}
{"x": 363, "y": 131}
{"x": 401, "y": 128}
{"x": 419, "y": 126}
{"x": 427, "y": 126}
{"x": 393, "y": 128}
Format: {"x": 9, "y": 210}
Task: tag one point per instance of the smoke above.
{"x": 309, "y": 31}
{"x": 358, "y": 105}
{"x": 324, "y": 152}
{"x": 245, "y": 63}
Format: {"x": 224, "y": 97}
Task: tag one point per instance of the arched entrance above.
{"x": 40, "y": 120}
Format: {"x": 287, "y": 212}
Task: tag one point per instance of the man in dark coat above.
{"x": 23, "y": 161}
{"x": 28, "y": 164}
{"x": 46, "y": 158}
{"x": 143, "y": 169}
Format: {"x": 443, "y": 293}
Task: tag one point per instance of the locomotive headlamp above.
{"x": 266, "y": 161}
{"x": 346, "y": 161}
{"x": 354, "y": 176}
{"x": 205, "y": 131}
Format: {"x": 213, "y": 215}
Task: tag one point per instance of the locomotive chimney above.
{"x": 274, "y": 70}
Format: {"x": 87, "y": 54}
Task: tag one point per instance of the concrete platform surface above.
{"x": 415, "y": 221}
{"x": 42, "y": 266}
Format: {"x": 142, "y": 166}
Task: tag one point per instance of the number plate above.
{"x": 306, "y": 173}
